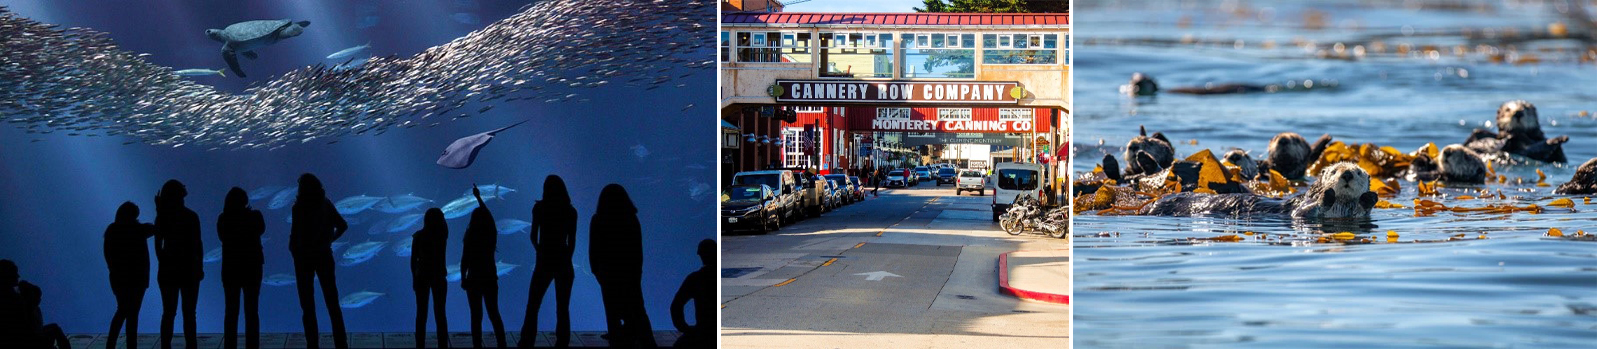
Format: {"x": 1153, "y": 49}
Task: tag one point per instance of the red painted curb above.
{"x": 1003, "y": 285}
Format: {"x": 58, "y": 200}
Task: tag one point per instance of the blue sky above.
{"x": 855, "y": 6}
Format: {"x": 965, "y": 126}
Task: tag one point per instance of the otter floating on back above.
{"x": 1519, "y": 132}
{"x": 1342, "y": 191}
{"x": 1454, "y": 164}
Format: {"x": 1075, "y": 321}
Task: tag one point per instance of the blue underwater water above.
{"x": 60, "y": 191}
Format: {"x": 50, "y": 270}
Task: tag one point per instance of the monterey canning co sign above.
{"x": 958, "y": 92}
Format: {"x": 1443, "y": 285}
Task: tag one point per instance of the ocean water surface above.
{"x": 1395, "y": 74}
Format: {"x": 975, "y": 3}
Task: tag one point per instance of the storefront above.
{"x": 842, "y": 92}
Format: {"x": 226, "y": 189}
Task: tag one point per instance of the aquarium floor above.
{"x": 362, "y": 340}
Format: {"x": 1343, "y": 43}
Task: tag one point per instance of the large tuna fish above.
{"x": 400, "y": 203}
{"x": 356, "y": 204}
{"x": 358, "y": 299}
{"x": 283, "y": 198}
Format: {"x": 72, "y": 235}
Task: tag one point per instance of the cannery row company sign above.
{"x": 955, "y": 92}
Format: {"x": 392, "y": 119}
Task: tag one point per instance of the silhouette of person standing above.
{"x": 178, "y": 247}
{"x": 615, "y": 251}
{"x": 554, "y": 236}
{"x": 127, "y": 255}
{"x": 698, "y": 287}
{"x": 240, "y": 228}
{"x": 479, "y": 275}
{"x": 21, "y": 321}
{"x": 428, "y": 273}
{"x": 316, "y": 224}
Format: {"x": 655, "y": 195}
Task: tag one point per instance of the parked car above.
{"x": 750, "y": 207}
{"x": 813, "y": 193}
{"x": 897, "y": 179}
{"x": 946, "y": 175}
{"x": 828, "y": 194}
{"x": 1014, "y": 180}
{"x": 970, "y": 179}
{"x": 922, "y": 173}
{"x": 784, "y": 185}
{"x": 858, "y": 189}
{"x": 843, "y": 188}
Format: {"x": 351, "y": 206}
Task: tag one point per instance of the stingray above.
{"x": 463, "y": 152}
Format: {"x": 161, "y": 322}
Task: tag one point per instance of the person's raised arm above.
{"x": 478, "y": 194}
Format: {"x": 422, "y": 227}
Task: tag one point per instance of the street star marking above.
{"x": 878, "y": 275}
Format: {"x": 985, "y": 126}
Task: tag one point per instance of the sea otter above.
{"x": 1342, "y": 191}
{"x": 1141, "y": 85}
{"x": 1584, "y": 182}
{"x": 1519, "y": 132}
{"x": 1250, "y": 169}
{"x": 1456, "y": 164}
{"x": 1144, "y": 154}
{"x": 1144, "y": 85}
{"x": 1290, "y": 155}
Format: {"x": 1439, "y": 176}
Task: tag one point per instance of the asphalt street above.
{"x": 912, "y": 268}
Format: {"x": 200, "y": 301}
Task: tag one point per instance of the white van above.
{"x": 1012, "y": 180}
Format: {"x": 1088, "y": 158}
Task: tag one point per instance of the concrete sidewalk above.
{"x": 1042, "y": 276}
{"x": 914, "y": 268}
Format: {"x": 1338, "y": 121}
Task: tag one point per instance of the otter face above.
{"x": 1343, "y": 191}
{"x": 1517, "y": 117}
{"x": 1289, "y": 155}
{"x": 1460, "y": 164}
{"x": 1250, "y": 170}
{"x": 1161, "y": 152}
{"x": 1143, "y": 85}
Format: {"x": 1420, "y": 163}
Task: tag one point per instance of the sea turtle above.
{"x": 243, "y": 38}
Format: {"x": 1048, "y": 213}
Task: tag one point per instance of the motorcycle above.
{"x": 1028, "y": 214}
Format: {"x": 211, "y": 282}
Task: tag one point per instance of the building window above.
{"x": 773, "y": 47}
{"x": 856, "y": 55}
{"x": 1015, "y": 114}
{"x": 726, "y": 46}
{"x": 892, "y": 113}
{"x": 953, "y": 114}
{"x": 793, "y": 149}
{"x": 1026, "y": 48}
{"x": 939, "y": 55}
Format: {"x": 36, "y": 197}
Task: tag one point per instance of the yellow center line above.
{"x": 829, "y": 262}
{"x": 879, "y": 234}
{"x": 784, "y": 283}
{"x": 860, "y": 244}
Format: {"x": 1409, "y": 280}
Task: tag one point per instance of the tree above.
{"x": 995, "y": 6}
